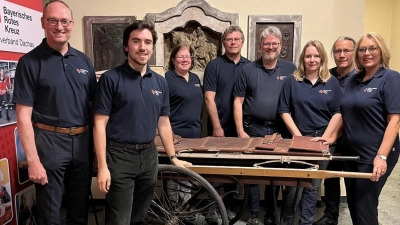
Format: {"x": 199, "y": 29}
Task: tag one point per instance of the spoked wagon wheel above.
{"x": 184, "y": 197}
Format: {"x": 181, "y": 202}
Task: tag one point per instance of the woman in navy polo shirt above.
{"x": 186, "y": 102}
{"x": 371, "y": 115}
{"x": 185, "y": 93}
{"x": 309, "y": 106}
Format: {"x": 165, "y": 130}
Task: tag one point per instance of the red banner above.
{"x": 31, "y": 4}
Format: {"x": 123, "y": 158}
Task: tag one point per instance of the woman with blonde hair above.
{"x": 371, "y": 116}
{"x": 309, "y": 106}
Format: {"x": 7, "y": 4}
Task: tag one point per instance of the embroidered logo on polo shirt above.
{"x": 197, "y": 85}
{"x": 82, "y": 71}
{"x": 324, "y": 91}
{"x": 368, "y": 89}
{"x": 281, "y": 77}
{"x": 154, "y": 92}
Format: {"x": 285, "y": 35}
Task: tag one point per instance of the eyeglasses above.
{"x": 273, "y": 44}
{"x": 345, "y": 51}
{"x": 184, "y": 57}
{"x": 64, "y": 23}
{"x": 230, "y": 40}
{"x": 371, "y": 49}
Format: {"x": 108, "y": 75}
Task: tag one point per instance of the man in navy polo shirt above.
{"x": 219, "y": 78}
{"x": 54, "y": 85}
{"x": 131, "y": 102}
{"x": 342, "y": 51}
{"x": 255, "y": 106}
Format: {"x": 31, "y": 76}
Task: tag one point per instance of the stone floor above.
{"x": 389, "y": 208}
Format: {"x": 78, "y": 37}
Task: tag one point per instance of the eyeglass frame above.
{"x": 268, "y": 44}
{"x": 231, "y": 40}
{"x": 363, "y": 50}
{"x": 56, "y": 21}
{"x": 345, "y": 51}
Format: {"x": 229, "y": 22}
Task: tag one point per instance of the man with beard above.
{"x": 255, "y": 107}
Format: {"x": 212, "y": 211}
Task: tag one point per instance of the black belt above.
{"x": 317, "y": 133}
{"x": 265, "y": 123}
{"x": 132, "y": 146}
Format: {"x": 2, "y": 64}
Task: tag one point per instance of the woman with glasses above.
{"x": 185, "y": 93}
{"x": 309, "y": 106}
{"x": 371, "y": 115}
{"x": 186, "y": 102}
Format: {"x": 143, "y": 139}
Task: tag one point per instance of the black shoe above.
{"x": 325, "y": 221}
{"x": 253, "y": 221}
{"x": 269, "y": 220}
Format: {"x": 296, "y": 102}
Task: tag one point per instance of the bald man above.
{"x": 54, "y": 85}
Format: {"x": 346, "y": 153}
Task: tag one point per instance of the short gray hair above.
{"x": 231, "y": 29}
{"x": 346, "y": 38}
{"x": 271, "y": 30}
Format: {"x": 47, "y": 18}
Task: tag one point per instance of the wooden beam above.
{"x": 275, "y": 172}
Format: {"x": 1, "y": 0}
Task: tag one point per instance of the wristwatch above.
{"x": 383, "y": 157}
{"x": 173, "y": 157}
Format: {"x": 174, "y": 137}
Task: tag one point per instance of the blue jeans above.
{"x": 309, "y": 198}
{"x": 308, "y": 202}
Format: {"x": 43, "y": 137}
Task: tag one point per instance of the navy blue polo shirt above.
{"x": 58, "y": 88}
{"x": 311, "y": 106}
{"x": 186, "y": 102}
{"x": 364, "y": 109}
{"x": 220, "y": 76}
{"x": 343, "y": 83}
{"x": 132, "y": 102}
{"x": 261, "y": 88}
{"x": 344, "y": 80}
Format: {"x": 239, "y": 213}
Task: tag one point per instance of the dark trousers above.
{"x": 229, "y": 131}
{"x": 68, "y": 162}
{"x": 256, "y": 130}
{"x": 332, "y": 192}
{"x": 133, "y": 180}
{"x": 363, "y": 194}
